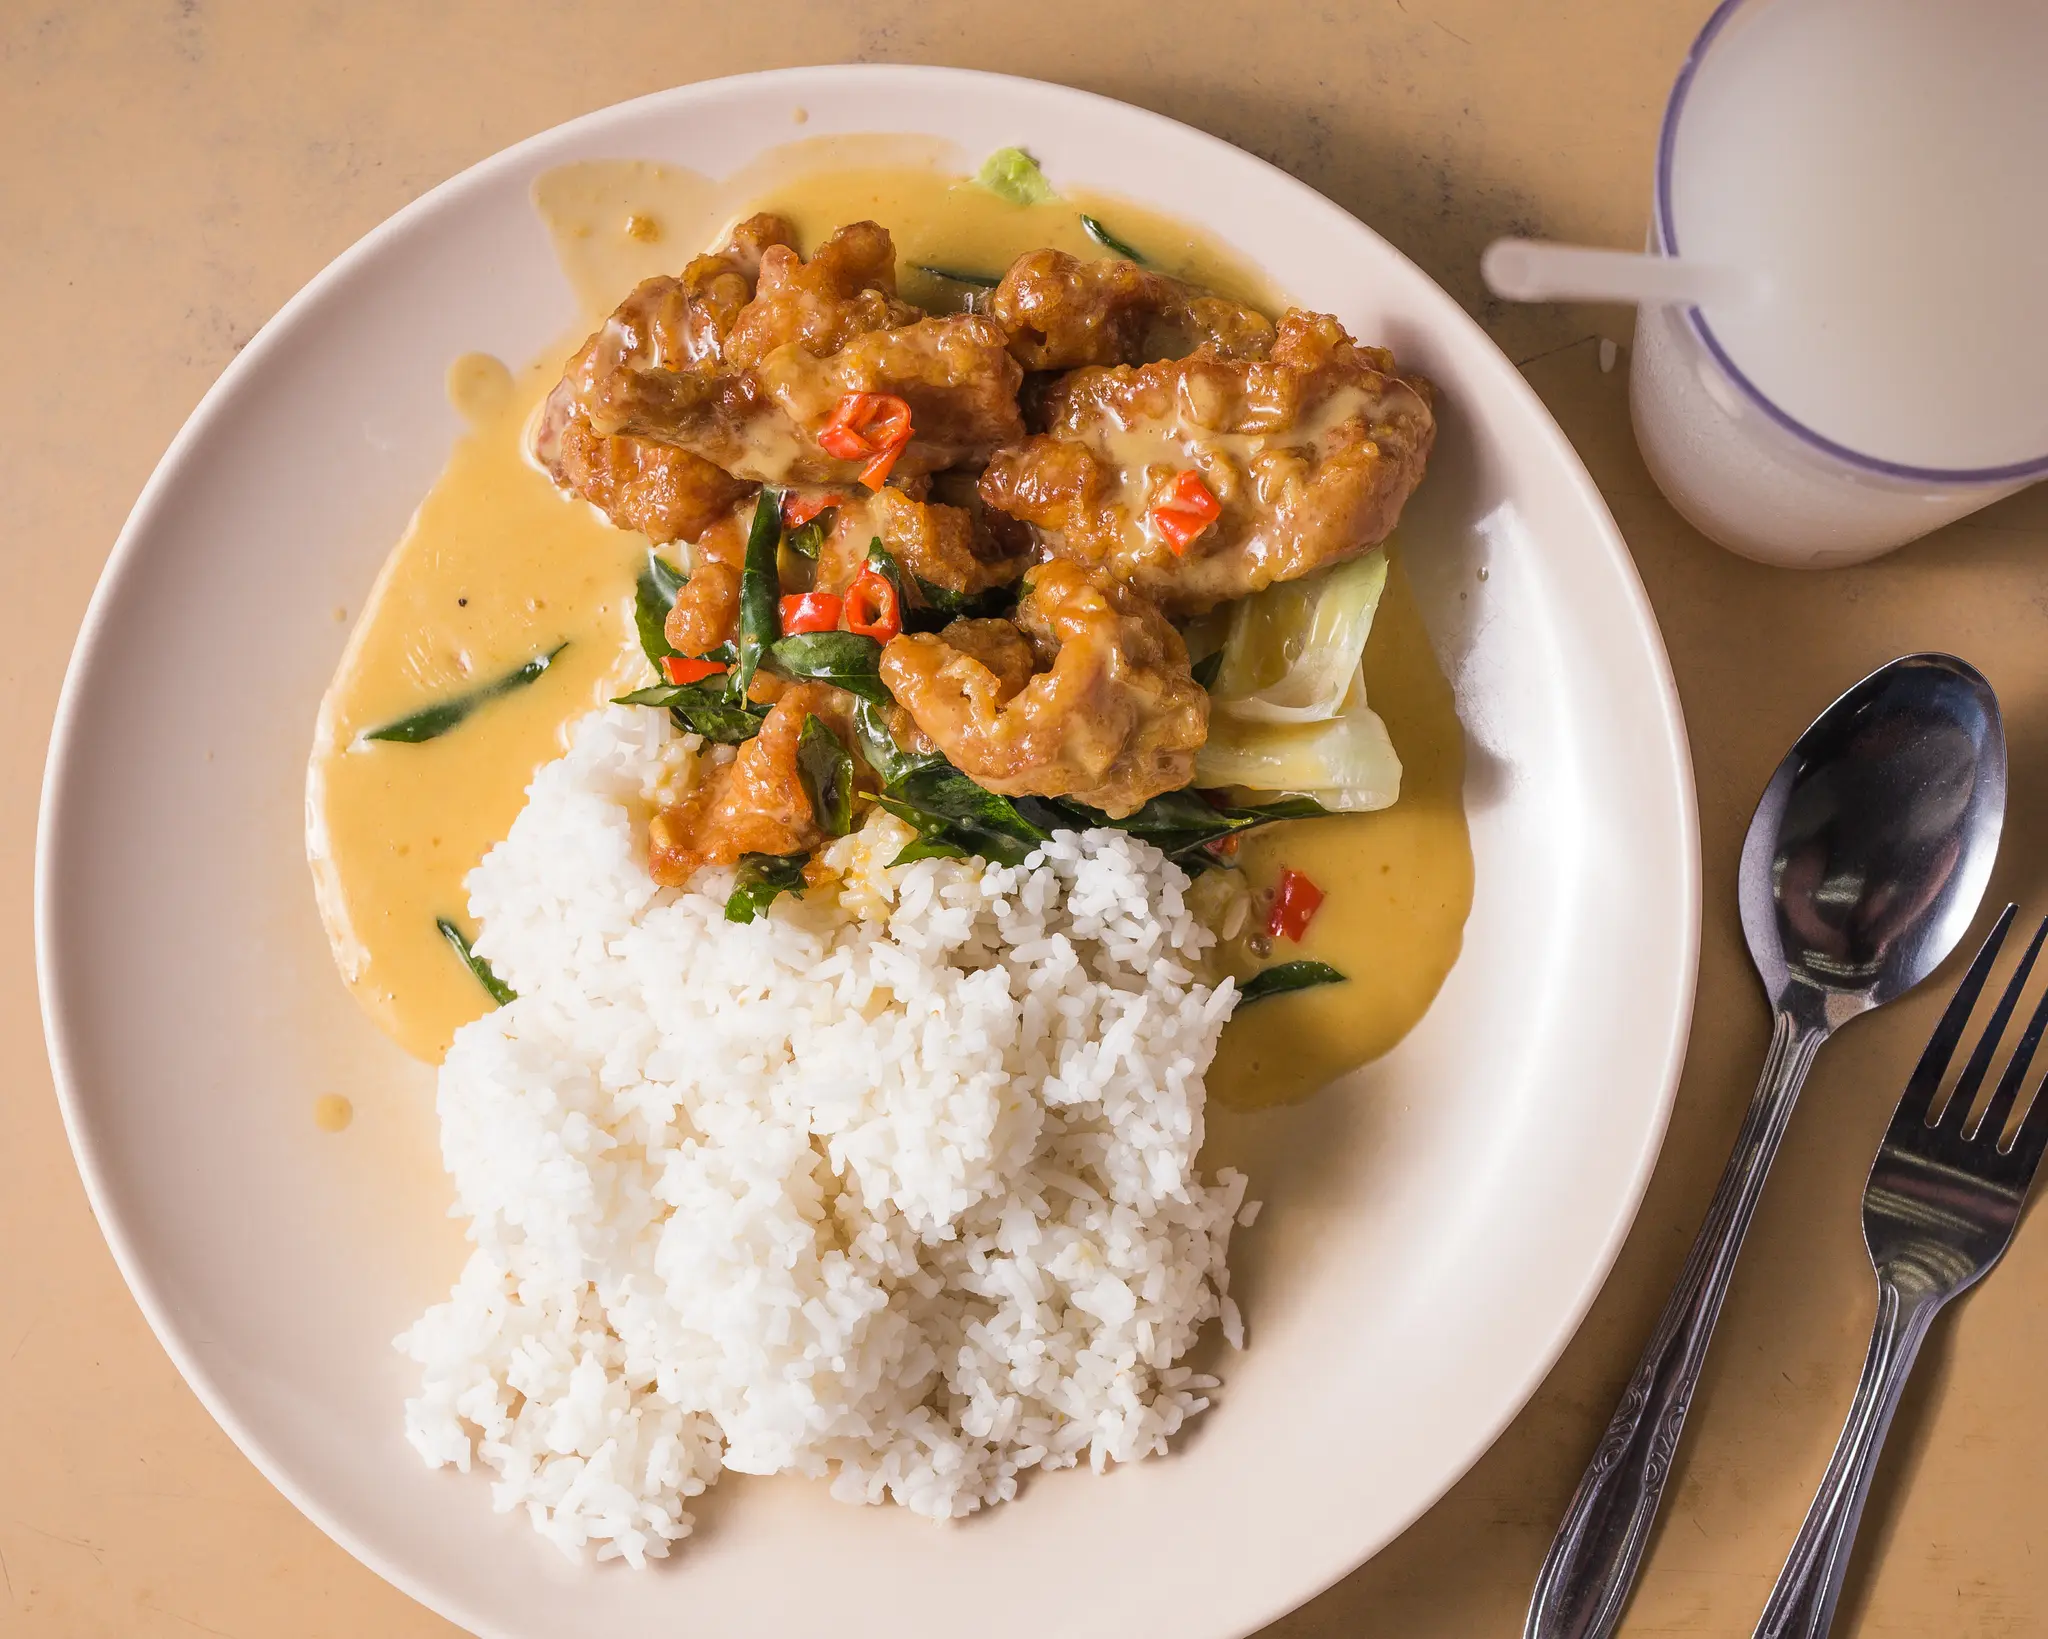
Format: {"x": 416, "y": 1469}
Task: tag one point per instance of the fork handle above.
{"x": 1585, "y": 1581}
{"x": 1802, "y": 1605}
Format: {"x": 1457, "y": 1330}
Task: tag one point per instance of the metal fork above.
{"x": 1939, "y": 1211}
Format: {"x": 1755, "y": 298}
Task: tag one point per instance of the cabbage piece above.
{"x": 1293, "y": 649}
{"x": 1014, "y": 175}
{"x": 1347, "y": 763}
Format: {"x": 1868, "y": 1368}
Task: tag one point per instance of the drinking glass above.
{"x": 1884, "y": 165}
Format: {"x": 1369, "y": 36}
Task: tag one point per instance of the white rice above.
{"x": 893, "y": 1186}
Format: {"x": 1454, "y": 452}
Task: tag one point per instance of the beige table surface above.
{"x": 172, "y": 170}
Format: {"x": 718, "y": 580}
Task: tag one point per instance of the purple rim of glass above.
{"x": 1667, "y": 233}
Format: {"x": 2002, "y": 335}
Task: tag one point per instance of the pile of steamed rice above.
{"x": 894, "y": 1186}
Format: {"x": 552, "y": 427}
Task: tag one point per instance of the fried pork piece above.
{"x": 658, "y": 359}
{"x": 749, "y": 388}
{"x": 963, "y": 549}
{"x": 1312, "y": 450}
{"x": 846, "y": 290}
{"x": 1106, "y": 713}
{"x": 1060, "y": 312}
{"x": 665, "y": 493}
{"x": 755, "y": 804}
{"x": 999, "y": 645}
{"x": 707, "y": 609}
{"x": 660, "y": 344}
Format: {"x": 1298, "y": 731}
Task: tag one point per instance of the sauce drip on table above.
{"x": 497, "y": 568}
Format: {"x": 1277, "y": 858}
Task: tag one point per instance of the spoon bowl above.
{"x": 1871, "y": 847}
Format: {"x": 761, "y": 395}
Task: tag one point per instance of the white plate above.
{"x": 1434, "y": 1230}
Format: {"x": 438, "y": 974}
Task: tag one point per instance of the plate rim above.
{"x": 65, "y": 737}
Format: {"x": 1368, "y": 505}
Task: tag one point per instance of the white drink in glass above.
{"x": 1884, "y": 165}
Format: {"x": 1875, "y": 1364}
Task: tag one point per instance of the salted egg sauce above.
{"x": 498, "y": 567}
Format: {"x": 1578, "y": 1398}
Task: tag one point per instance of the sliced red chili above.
{"x": 873, "y": 427}
{"x": 1183, "y": 509}
{"x": 871, "y": 606}
{"x": 689, "y": 668}
{"x": 798, "y": 510}
{"x": 843, "y": 443}
{"x": 877, "y": 471}
{"x": 1295, "y": 899}
{"x": 810, "y": 612}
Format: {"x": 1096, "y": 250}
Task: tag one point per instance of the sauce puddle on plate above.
{"x": 497, "y": 568}
{"x": 1397, "y": 887}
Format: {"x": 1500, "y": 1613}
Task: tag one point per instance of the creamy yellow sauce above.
{"x": 497, "y": 568}
{"x": 1397, "y": 887}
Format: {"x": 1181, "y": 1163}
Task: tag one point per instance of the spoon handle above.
{"x": 1585, "y": 1581}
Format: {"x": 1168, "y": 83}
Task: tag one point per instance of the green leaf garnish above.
{"x": 808, "y": 539}
{"x": 500, "y": 992}
{"x": 1207, "y": 667}
{"x": 1014, "y": 175}
{"x": 942, "y": 838}
{"x": 701, "y": 708}
{"x": 1275, "y": 981}
{"x": 761, "y": 879}
{"x": 1111, "y": 243}
{"x": 435, "y": 721}
{"x": 945, "y": 604}
{"x": 947, "y": 806}
{"x": 846, "y": 660}
{"x": 760, "y": 594}
{"x": 928, "y": 848}
{"x": 654, "y": 594}
{"x": 1182, "y": 824}
{"x": 878, "y": 745}
{"x": 826, "y": 768}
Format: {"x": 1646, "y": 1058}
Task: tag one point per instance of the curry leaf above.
{"x": 760, "y": 593}
{"x": 1276, "y": 981}
{"x": 1014, "y": 175}
{"x": 701, "y": 708}
{"x": 932, "y": 847}
{"x": 826, "y": 768}
{"x": 808, "y": 539}
{"x": 1110, "y": 242}
{"x": 941, "y": 838}
{"x": 951, "y": 605}
{"x": 499, "y": 991}
{"x": 654, "y": 594}
{"x": 760, "y": 880}
{"x": 846, "y": 660}
{"x": 982, "y": 821}
{"x": 435, "y": 721}
{"x": 1183, "y": 823}
{"x": 878, "y": 745}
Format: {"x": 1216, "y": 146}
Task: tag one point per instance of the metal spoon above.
{"x": 1864, "y": 864}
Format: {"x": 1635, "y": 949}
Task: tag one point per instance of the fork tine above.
{"x": 1991, "y": 1124}
{"x": 1979, "y": 1063}
{"x": 2030, "y": 1141}
{"x": 1925, "y": 1081}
